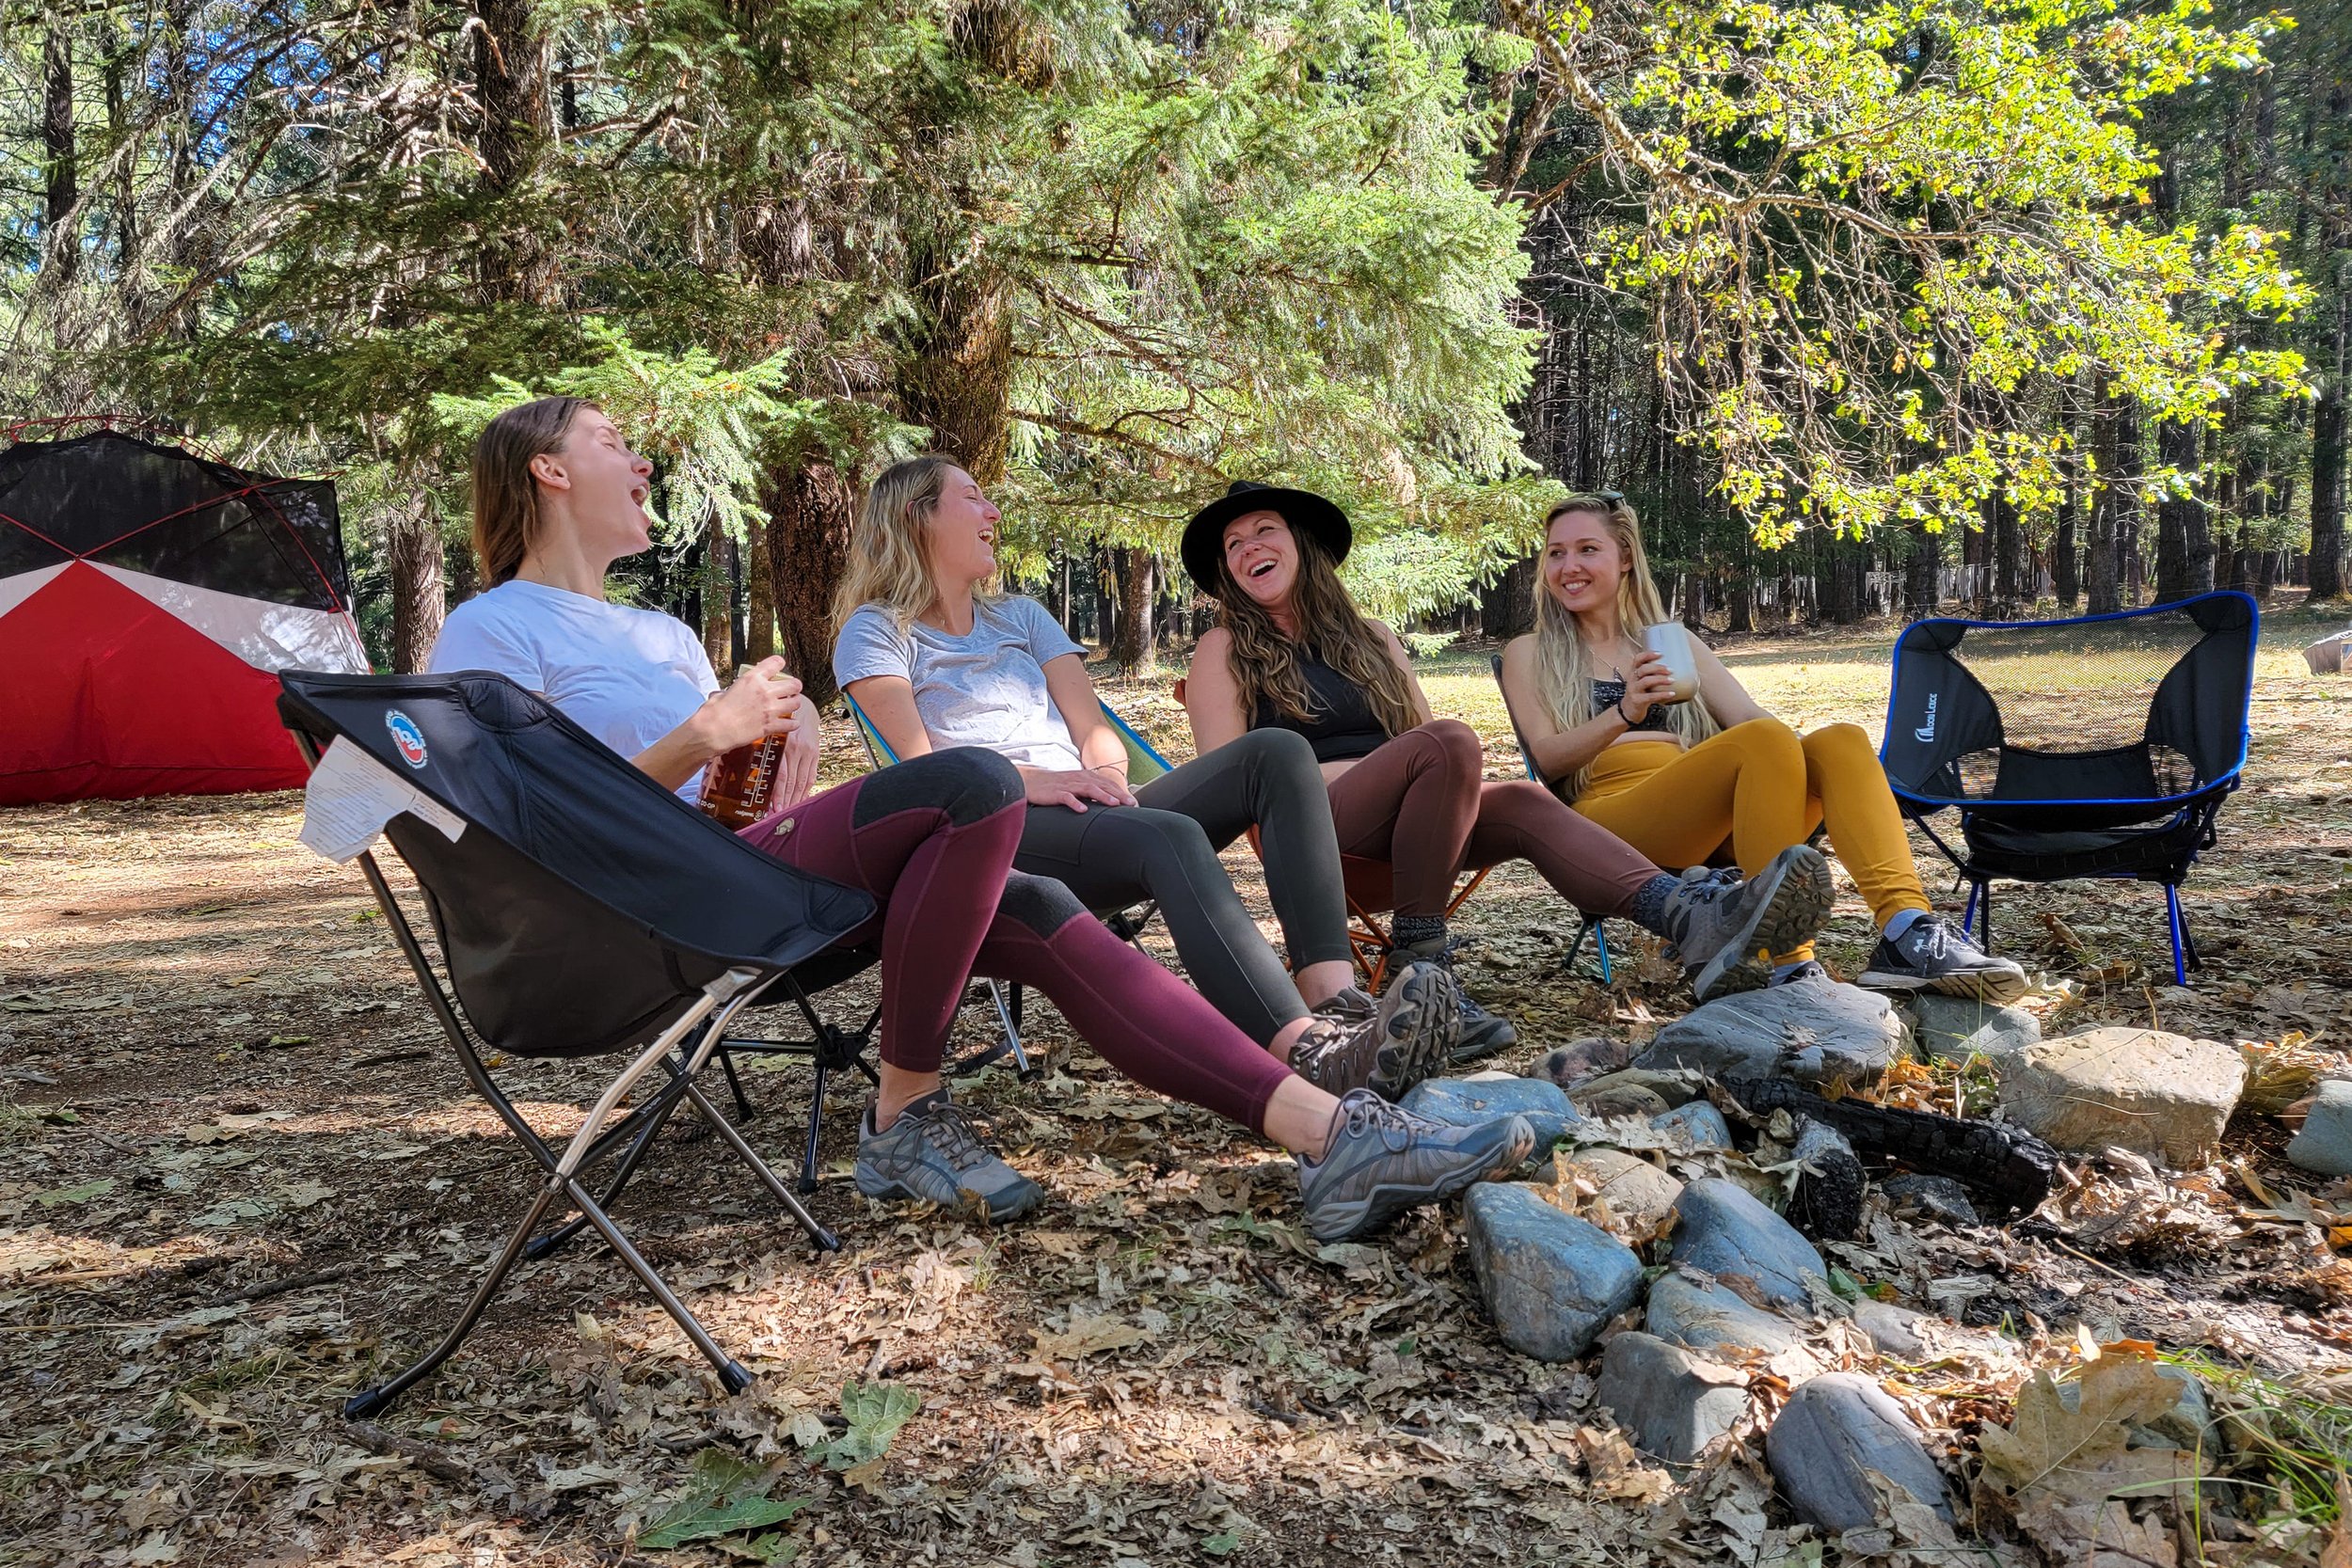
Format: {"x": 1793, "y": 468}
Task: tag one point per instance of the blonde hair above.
{"x": 1265, "y": 657}
{"x": 505, "y": 495}
{"x": 890, "y": 565}
{"x": 1565, "y": 667}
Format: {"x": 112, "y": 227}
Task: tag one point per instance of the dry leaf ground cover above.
{"x": 240, "y": 1178}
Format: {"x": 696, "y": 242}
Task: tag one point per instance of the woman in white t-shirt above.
{"x": 558, "y": 497}
{"x": 936, "y": 659}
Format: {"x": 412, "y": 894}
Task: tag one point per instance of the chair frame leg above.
{"x": 703, "y": 1021}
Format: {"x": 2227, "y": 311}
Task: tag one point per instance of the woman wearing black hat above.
{"x": 936, "y": 661}
{"x": 1291, "y": 652}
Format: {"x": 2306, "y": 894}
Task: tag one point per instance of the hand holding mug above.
{"x": 1647, "y": 685}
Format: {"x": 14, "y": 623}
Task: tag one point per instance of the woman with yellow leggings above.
{"x": 1682, "y": 780}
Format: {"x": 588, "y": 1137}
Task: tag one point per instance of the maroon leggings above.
{"x": 1421, "y": 802}
{"x": 933, "y": 839}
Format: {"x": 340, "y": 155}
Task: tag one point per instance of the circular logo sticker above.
{"x": 405, "y": 736}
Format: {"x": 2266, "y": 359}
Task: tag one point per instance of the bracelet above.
{"x": 1622, "y": 714}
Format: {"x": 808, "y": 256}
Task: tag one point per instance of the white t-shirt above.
{"x": 627, "y": 676}
{"x": 986, "y": 687}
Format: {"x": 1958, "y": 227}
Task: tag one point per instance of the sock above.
{"x": 1781, "y": 972}
{"x": 1894, "y": 929}
{"x": 1649, "y": 909}
{"x": 1415, "y": 930}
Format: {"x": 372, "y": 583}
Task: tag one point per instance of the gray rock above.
{"x": 1705, "y": 1124}
{"x": 1807, "y": 1032}
{"x": 1550, "y": 1281}
{"x": 1726, "y": 1231}
{"x": 1954, "y": 1028}
{"x": 2325, "y": 1143}
{"x": 1892, "y": 1330}
{"x": 1460, "y": 1103}
{"x": 1637, "y": 1191}
{"x": 1835, "y": 1434}
{"x": 1579, "y": 1060}
{"x": 2161, "y": 1095}
{"x": 1619, "y": 1100}
{"x": 1673, "y": 1403}
{"x": 1675, "y": 1085}
{"x": 1937, "y": 1196}
{"x": 1701, "y": 1314}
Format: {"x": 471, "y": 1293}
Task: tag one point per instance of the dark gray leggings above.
{"x": 1165, "y": 848}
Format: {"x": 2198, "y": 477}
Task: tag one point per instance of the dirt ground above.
{"x": 241, "y": 1176}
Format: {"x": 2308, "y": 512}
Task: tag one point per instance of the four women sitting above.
{"x": 1010, "y": 816}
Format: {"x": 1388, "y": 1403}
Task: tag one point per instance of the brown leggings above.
{"x": 1422, "y": 803}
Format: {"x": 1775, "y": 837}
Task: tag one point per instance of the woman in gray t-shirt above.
{"x": 934, "y": 662}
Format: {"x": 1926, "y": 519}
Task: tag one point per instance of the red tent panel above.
{"x": 89, "y": 670}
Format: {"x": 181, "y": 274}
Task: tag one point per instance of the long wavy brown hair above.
{"x": 505, "y": 495}
{"x": 1265, "y": 657}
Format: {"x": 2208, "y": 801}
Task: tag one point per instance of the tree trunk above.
{"x": 1136, "y": 653}
{"x": 1693, "y": 601}
{"x": 2184, "y": 532}
{"x": 2065, "y": 562}
{"x": 510, "y": 77}
{"x": 1740, "y": 603}
{"x": 759, "y": 594}
{"x": 2011, "y": 597}
{"x": 1507, "y": 606}
{"x": 718, "y": 606}
{"x": 808, "y": 548}
{"x": 2326, "y": 567}
{"x": 1919, "y": 569}
{"x": 61, "y": 233}
{"x": 957, "y": 378}
{"x": 412, "y": 543}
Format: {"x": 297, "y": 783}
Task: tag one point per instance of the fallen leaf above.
{"x": 1617, "y": 1471}
{"x": 2066, "y": 1472}
{"x": 1086, "y": 1336}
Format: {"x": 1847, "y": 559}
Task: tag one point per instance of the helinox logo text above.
{"x": 1926, "y": 731}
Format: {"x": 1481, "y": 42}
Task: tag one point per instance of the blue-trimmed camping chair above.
{"x": 2096, "y": 746}
{"x": 1591, "y": 926}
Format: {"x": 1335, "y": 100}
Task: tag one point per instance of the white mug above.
{"x": 1672, "y": 643}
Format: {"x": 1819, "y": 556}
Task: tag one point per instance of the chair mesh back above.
{"x": 584, "y": 904}
{"x": 2112, "y": 717}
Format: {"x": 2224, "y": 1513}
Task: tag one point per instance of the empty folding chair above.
{"x": 2096, "y": 746}
{"x": 580, "y": 910}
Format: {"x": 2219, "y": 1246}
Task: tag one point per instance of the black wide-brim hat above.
{"x": 1305, "y": 510}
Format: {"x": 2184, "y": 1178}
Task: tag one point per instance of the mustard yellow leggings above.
{"x": 1760, "y": 788}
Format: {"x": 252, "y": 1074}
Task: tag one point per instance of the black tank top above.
{"x": 1340, "y": 727}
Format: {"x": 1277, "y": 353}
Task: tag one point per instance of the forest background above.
{"x": 1867, "y": 307}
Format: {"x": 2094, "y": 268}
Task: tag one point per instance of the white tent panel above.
{"x": 15, "y": 590}
{"x": 266, "y": 636}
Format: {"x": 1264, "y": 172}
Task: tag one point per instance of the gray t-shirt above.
{"x": 984, "y": 688}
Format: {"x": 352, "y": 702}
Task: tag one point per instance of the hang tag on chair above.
{"x": 351, "y": 796}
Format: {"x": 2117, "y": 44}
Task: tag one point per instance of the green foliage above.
{"x": 1875, "y": 239}
{"x": 723, "y": 1496}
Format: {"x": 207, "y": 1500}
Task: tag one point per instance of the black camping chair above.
{"x": 582, "y": 910}
{"x": 2097, "y": 746}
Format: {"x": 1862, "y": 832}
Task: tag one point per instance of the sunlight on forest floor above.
{"x": 239, "y": 1178}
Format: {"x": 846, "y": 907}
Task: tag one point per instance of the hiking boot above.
{"x": 1387, "y": 1046}
{"x": 1383, "y": 1160}
{"x": 1724, "y": 931}
{"x": 933, "y": 1152}
{"x": 1483, "y": 1032}
{"x": 1935, "y": 955}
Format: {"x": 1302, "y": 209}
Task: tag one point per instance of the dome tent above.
{"x": 147, "y": 597}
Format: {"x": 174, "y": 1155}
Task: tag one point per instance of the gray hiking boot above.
{"x": 1483, "y": 1032}
{"x": 1386, "y": 1046}
{"x": 1724, "y": 931}
{"x": 1934, "y": 954}
{"x": 934, "y": 1153}
{"x": 1383, "y": 1160}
